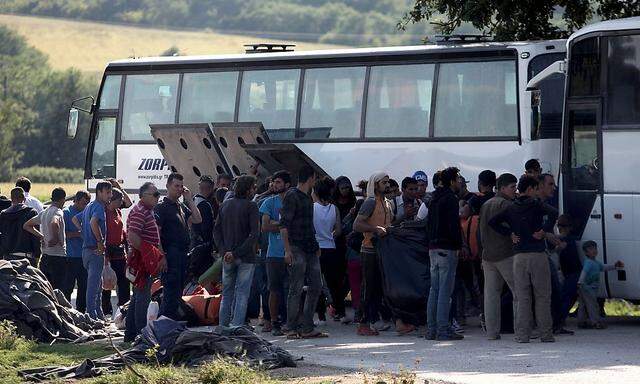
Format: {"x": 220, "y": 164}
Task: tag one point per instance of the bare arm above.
{"x": 134, "y": 239}
{"x": 97, "y": 232}
{"x": 76, "y": 222}
{"x": 55, "y": 229}
{"x": 269, "y": 225}
{"x": 195, "y": 217}
{"x": 30, "y": 226}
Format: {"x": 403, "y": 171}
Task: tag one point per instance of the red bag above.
{"x": 206, "y": 307}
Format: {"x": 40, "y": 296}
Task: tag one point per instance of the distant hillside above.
{"x": 351, "y": 22}
{"x": 88, "y": 46}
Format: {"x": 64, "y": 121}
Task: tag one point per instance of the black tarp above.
{"x": 176, "y": 344}
{"x": 38, "y": 311}
{"x": 404, "y": 262}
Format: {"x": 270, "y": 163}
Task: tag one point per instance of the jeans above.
{"x": 531, "y": 275}
{"x": 76, "y": 273}
{"x": 173, "y": 281}
{"x": 556, "y": 296}
{"x": 305, "y": 264}
{"x": 137, "y": 312}
{"x": 259, "y": 297}
{"x": 236, "y": 287}
{"x": 443, "y": 275}
{"x": 93, "y": 263}
{"x": 123, "y": 288}
{"x": 55, "y": 270}
{"x": 569, "y": 294}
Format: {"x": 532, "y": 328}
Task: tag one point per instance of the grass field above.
{"x": 43, "y": 191}
{"x": 88, "y": 46}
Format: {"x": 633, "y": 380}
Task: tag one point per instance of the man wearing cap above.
{"x": 423, "y": 182}
{"x": 202, "y": 233}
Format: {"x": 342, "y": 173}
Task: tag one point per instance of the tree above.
{"x": 10, "y": 121}
{"x": 509, "y": 20}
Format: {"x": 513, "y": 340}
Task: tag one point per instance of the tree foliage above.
{"x": 509, "y": 20}
{"x": 34, "y": 103}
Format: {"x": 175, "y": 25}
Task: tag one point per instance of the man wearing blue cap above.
{"x": 423, "y": 183}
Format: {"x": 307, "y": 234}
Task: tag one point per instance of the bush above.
{"x": 8, "y": 335}
{"x": 38, "y": 174}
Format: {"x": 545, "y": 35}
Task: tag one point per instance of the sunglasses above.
{"x": 155, "y": 194}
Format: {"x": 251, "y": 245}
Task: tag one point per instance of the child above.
{"x": 589, "y": 285}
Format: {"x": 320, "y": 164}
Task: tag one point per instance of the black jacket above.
{"x": 524, "y": 217}
{"x": 12, "y": 237}
{"x": 443, "y": 220}
{"x": 4, "y": 203}
{"x": 237, "y": 229}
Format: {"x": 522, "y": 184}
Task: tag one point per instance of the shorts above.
{"x": 276, "y": 273}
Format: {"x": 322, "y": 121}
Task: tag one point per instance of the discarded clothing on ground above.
{"x": 38, "y": 311}
{"x": 404, "y": 263}
{"x": 178, "y": 345}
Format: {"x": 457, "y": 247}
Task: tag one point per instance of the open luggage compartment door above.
{"x": 285, "y": 156}
{"x": 190, "y": 149}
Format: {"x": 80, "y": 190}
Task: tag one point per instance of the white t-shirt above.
{"x": 33, "y": 202}
{"x": 45, "y": 219}
{"x": 324, "y": 221}
{"x": 422, "y": 212}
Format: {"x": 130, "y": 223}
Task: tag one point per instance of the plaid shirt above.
{"x": 296, "y": 216}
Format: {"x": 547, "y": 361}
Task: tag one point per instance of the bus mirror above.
{"x": 72, "y": 123}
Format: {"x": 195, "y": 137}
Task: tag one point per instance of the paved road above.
{"x": 590, "y": 356}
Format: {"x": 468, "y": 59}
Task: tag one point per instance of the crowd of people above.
{"x": 298, "y": 249}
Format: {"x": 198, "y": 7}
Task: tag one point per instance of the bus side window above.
{"x": 623, "y": 77}
{"x": 551, "y": 97}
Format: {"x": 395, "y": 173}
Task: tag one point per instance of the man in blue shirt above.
{"x": 93, "y": 231}
{"x": 75, "y": 270}
{"x": 276, "y": 267}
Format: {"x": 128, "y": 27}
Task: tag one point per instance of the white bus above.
{"x": 600, "y": 175}
{"x": 351, "y": 111}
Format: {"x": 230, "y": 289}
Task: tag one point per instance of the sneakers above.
{"x": 267, "y": 327}
{"x": 366, "y": 330}
{"x": 449, "y": 337}
{"x": 547, "y": 339}
{"x": 563, "y": 331}
{"x": 599, "y": 326}
{"x": 382, "y": 326}
{"x": 320, "y": 323}
{"x": 455, "y": 327}
{"x": 277, "y": 331}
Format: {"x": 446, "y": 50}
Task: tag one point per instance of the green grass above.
{"x": 43, "y": 190}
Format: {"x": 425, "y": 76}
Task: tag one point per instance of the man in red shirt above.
{"x": 142, "y": 227}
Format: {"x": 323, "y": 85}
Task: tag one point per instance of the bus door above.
{"x": 581, "y": 174}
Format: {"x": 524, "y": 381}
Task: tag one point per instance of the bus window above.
{"x": 584, "y": 68}
{"x": 110, "y": 96}
{"x": 148, "y": 99}
{"x": 332, "y": 103}
{"x": 477, "y": 100}
{"x": 208, "y": 97}
{"x": 551, "y": 96}
{"x": 104, "y": 155}
{"x": 583, "y": 150}
{"x": 271, "y": 97}
{"x": 399, "y": 101}
{"x": 623, "y": 77}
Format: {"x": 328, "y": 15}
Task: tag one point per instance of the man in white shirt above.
{"x": 29, "y": 201}
{"x": 52, "y": 236}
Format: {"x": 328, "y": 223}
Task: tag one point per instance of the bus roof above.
{"x": 609, "y": 25}
{"x": 321, "y": 54}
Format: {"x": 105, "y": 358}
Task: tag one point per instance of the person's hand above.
{"x": 253, "y": 169}
{"x": 515, "y": 239}
{"x": 539, "y": 235}
{"x": 553, "y": 239}
{"x": 381, "y": 231}
{"x": 186, "y": 194}
{"x": 352, "y": 211}
{"x": 288, "y": 258}
{"x": 100, "y": 250}
{"x": 465, "y": 253}
{"x": 114, "y": 182}
{"x": 228, "y": 257}
{"x": 619, "y": 264}
{"x": 410, "y": 211}
{"x": 561, "y": 245}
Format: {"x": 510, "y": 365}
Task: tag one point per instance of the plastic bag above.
{"x": 152, "y": 312}
{"x": 109, "y": 278}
